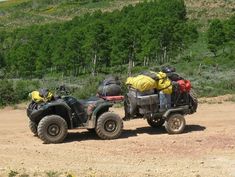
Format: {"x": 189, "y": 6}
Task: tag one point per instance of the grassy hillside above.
{"x": 18, "y": 13}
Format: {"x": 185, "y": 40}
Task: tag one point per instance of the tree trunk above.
{"x": 94, "y": 65}
{"x": 156, "y": 57}
{"x": 164, "y": 55}
{"x": 84, "y": 69}
{"x": 131, "y": 57}
{"x": 199, "y": 69}
{"x": 130, "y": 64}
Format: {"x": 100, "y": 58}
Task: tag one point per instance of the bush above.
{"x": 12, "y": 92}
{"x": 206, "y": 88}
{"x": 88, "y": 88}
{"x": 139, "y": 69}
{"x": 7, "y": 94}
{"x": 24, "y": 87}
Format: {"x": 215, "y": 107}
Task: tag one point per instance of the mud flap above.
{"x": 130, "y": 105}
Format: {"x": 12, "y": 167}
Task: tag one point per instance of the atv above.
{"x": 147, "y": 105}
{"x": 51, "y": 120}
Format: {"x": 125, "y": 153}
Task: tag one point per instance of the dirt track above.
{"x": 206, "y": 148}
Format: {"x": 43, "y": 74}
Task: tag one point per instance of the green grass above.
{"x": 49, "y": 173}
{"x": 52, "y": 174}
{"x": 12, "y": 173}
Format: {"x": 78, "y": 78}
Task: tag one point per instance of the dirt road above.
{"x": 206, "y": 148}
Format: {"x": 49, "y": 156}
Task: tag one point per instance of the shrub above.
{"x": 7, "y": 94}
{"x": 88, "y": 88}
{"x": 24, "y": 87}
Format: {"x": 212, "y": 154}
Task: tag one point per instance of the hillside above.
{"x": 208, "y": 9}
{"x": 18, "y": 13}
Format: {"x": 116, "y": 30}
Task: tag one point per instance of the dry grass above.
{"x": 218, "y": 99}
{"x": 208, "y": 9}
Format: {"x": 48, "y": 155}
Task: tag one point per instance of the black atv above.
{"x": 147, "y": 105}
{"x": 50, "y": 121}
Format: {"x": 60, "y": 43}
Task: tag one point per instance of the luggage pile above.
{"x": 150, "y": 80}
{"x": 151, "y": 92}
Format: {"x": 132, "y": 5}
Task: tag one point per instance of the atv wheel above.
{"x": 52, "y": 129}
{"x": 109, "y": 126}
{"x": 33, "y": 127}
{"x": 175, "y": 124}
{"x": 155, "y": 123}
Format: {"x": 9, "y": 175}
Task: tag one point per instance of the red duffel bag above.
{"x": 184, "y": 85}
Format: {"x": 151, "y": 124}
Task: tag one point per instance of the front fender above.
{"x": 58, "y": 108}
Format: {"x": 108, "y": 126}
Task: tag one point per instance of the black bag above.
{"x": 109, "y": 90}
{"x": 111, "y": 86}
{"x": 174, "y": 76}
{"x": 168, "y": 69}
{"x": 150, "y": 74}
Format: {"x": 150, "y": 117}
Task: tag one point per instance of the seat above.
{"x": 77, "y": 107}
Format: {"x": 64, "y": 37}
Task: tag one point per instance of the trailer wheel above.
{"x": 109, "y": 126}
{"x": 155, "y": 123}
{"x": 175, "y": 124}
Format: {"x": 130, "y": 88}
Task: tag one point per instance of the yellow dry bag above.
{"x": 164, "y": 83}
{"x": 141, "y": 83}
{"x": 35, "y": 95}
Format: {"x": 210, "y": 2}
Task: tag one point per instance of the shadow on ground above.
{"x": 158, "y": 131}
{"x": 91, "y": 135}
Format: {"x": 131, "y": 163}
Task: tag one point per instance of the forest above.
{"x": 150, "y": 32}
{"x": 137, "y": 37}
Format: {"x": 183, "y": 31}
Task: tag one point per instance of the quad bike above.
{"x": 147, "y": 105}
{"x": 50, "y": 121}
